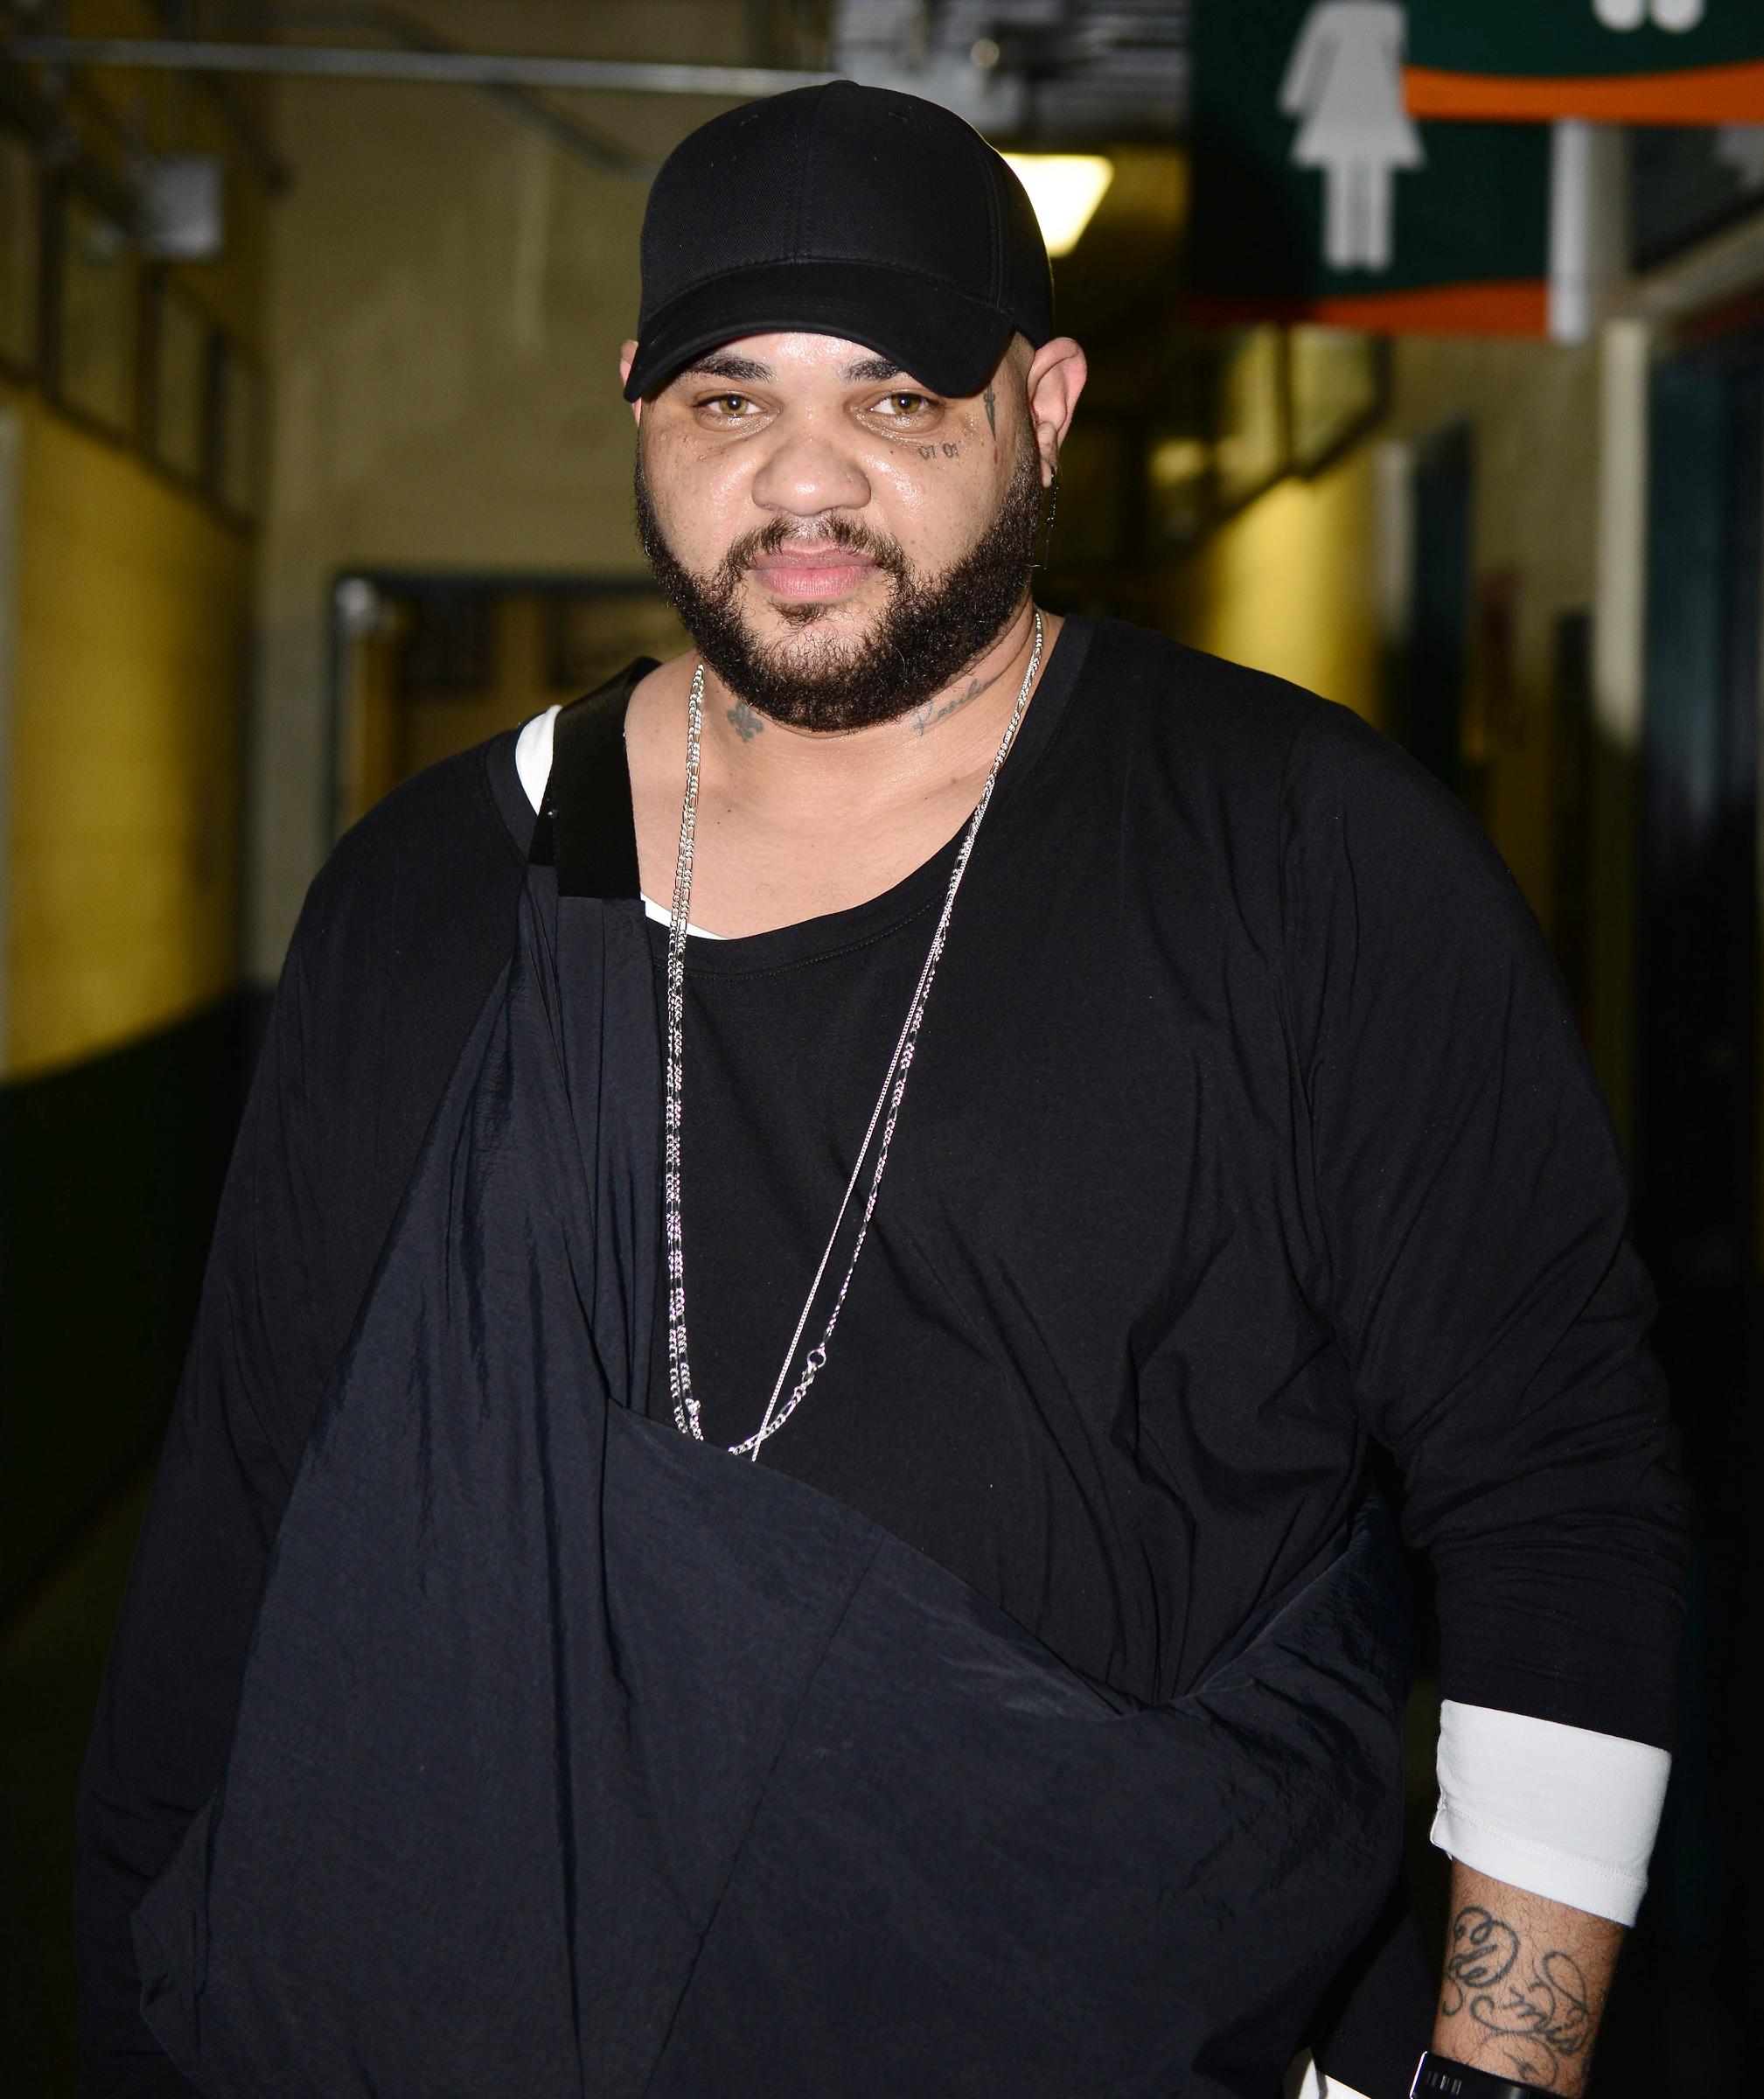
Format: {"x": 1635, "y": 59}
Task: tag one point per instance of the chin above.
{"x": 811, "y": 629}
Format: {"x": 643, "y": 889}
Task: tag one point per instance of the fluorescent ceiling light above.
{"x": 1065, "y": 188}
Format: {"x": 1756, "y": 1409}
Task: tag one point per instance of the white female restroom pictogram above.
{"x": 1344, "y": 82}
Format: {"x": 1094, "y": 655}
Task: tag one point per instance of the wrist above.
{"x": 1440, "y": 2077}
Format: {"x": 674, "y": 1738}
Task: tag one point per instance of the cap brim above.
{"x": 948, "y": 339}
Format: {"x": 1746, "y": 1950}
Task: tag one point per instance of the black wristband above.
{"x": 1439, "y": 2077}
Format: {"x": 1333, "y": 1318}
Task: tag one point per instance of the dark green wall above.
{"x": 109, "y": 1174}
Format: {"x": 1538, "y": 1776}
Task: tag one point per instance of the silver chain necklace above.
{"x": 685, "y": 1407}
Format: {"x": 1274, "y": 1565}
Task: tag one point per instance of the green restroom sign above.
{"x": 1318, "y": 195}
{"x": 1624, "y": 61}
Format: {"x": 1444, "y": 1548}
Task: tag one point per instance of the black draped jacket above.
{"x": 1401, "y": 1217}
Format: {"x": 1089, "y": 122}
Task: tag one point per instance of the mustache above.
{"x": 828, "y": 530}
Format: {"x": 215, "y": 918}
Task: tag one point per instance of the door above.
{"x": 1432, "y": 724}
{"x": 1698, "y": 1037}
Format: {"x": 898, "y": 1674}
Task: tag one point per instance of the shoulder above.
{"x": 1243, "y": 752}
{"x": 1220, "y": 716}
{"x": 1323, "y": 763}
{"x": 404, "y": 931}
{"x": 1299, "y": 807}
{"x": 447, "y": 810}
{"x": 1359, "y": 812}
{"x": 429, "y": 856}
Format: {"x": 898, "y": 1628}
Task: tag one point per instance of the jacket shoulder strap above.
{"x": 584, "y": 827}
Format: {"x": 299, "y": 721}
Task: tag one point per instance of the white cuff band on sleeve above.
{"x": 1566, "y": 1812}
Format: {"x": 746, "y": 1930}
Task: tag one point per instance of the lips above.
{"x": 810, "y": 573}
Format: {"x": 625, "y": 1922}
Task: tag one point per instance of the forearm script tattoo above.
{"x": 1532, "y": 2005}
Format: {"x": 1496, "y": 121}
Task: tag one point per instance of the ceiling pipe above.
{"x": 430, "y": 68}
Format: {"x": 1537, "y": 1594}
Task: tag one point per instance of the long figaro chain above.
{"x": 685, "y": 1407}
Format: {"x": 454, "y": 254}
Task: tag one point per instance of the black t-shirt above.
{"x": 1249, "y": 1124}
{"x": 1077, "y": 1364}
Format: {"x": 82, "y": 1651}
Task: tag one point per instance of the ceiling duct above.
{"x": 1033, "y": 70}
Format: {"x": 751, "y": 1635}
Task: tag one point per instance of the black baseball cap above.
{"x": 844, "y": 211}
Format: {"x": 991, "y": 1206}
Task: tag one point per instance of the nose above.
{"x": 806, "y": 473}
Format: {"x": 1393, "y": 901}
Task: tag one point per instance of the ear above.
{"x": 627, "y": 358}
{"x": 1054, "y": 379}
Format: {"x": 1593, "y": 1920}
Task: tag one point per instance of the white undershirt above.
{"x": 1565, "y": 1812}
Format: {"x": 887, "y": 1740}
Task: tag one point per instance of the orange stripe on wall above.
{"x": 1515, "y": 306}
{"x": 1698, "y": 94}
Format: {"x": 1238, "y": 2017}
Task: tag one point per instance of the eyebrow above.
{"x": 725, "y": 364}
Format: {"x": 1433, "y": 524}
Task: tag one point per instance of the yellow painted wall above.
{"x": 128, "y": 663}
{"x": 1289, "y": 585}
{"x": 130, "y": 601}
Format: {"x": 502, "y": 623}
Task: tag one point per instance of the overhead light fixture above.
{"x": 1065, "y": 189}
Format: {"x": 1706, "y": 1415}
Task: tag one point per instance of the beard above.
{"x": 931, "y": 629}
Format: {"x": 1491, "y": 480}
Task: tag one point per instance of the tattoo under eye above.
{"x": 990, "y": 402}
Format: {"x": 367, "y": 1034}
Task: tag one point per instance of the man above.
{"x": 1080, "y": 1098}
